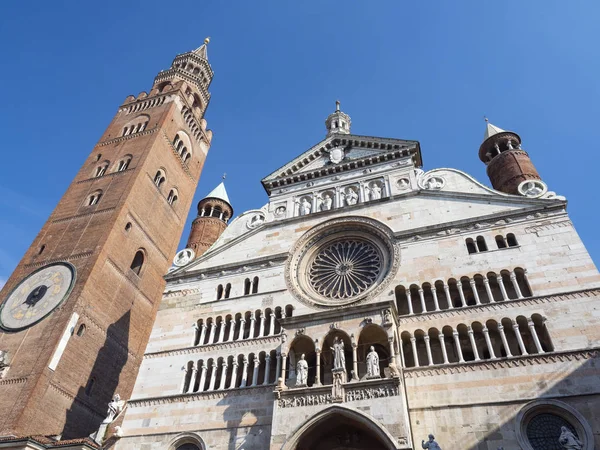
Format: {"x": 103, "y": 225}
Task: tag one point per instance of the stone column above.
{"x": 283, "y": 362}
{"x": 222, "y": 332}
{"x": 182, "y": 386}
{"x": 278, "y": 367}
{"x": 252, "y": 324}
{"x": 520, "y": 339}
{"x": 202, "y": 334}
{"x": 241, "y": 330}
{"x": 211, "y": 334}
{"x": 272, "y": 325}
{"x": 428, "y": 347}
{"x": 361, "y": 192}
{"x": 202, "y": 378}
{"x": 224, "y": 366}
{"x": 504, "y": 340}
{"x": 472, "y": 339}
{"x": 261, "y": 329}
{"x": 318, "y": 374}
{"x": 435, "y": 298}
{"x": 267, "y": 369}
{"x": 413, "y": 343}
{"x": 422, "y": 297}
{"x": 244, "y": 372}
{"x": 461, "y": 359}
{"x": 536, "y": 339}
{"x": 488, "y": 341}
{"x": 392, "y": 350}
{"x": 474, "y": 289}
{"x": 500, "y": 281}
{"x": 193, "y": 378}
{"x": 409, "y": 299}
{"x": 443, "y": 345}
{"x": 231, "y": 330}
{"x": 338, "y": 198}
{"x": 448, "y": 298}
{"x": 213, "y": 377}
{"x": 513, "y": 278}
{"x": 355, "y": 360}
{"x": 255, "y": 371}
{"x": 461, "y": 293}
{"x": 488, "y": 290}
{"x": 314, "y": 202}
{"x": 196, "y": 332}
{"x": 233, "y": 374}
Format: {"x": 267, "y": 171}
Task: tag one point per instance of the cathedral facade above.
{"x": 372, "y": 305}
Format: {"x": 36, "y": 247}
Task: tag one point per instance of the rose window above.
{"x": 345, "y": 269}
{"x": 543, "y": 431}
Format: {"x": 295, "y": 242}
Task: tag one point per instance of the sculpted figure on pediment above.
{"x": 350, "y": 196}
{"x": 375, "y": 191}
{"x": 326, "y": 202}
{"x": 305, "y": 207}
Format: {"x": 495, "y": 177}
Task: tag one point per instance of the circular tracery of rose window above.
{"x": 344, "y": 269}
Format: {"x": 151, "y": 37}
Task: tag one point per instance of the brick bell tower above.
{"x": 507, "y": 164}
{"x": 77, "y": 312}
{"x": 214, "y": 211}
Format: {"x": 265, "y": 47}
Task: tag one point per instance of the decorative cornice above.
{"x": 199, "y": 349}
{"x": 129, "y": 136}
{"x": 497, "y": 306}
{"x": 80, "y": 216}
{"x": 198, "y": 396}
{"x": 54, "y": 260}
{"x": 19, "y": 380}
{"x": 549, "y": 226}
{"x": 501, "y": 363}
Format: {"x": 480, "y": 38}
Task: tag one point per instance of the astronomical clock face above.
{"x": 37, "y": 296}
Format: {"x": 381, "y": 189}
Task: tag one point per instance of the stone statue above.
{"x": 3, "y": 363}
{"x": 327, "y": 203}
{"x": 305, "y": 207}
{"x": 403, "y": 183}
{"x": 373, "y": 364}
{"x": 301, "y": 371}
{"x": 351, "y": 197}
{"x": 431, "y": 444}
{"x": 434, "y": 183}
{"x": 339, "y": 358}
{"x": 375, "y": 191}
{"x": 115, "y": 407}
{"x": 568, "y": 440}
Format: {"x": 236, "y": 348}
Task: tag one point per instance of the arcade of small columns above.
{"x": 477, "y": 341}
{"x": 241, "y": 326}
{"x": 466, "y": 291}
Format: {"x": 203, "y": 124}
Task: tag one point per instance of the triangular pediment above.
{"x": 356, "y": 151}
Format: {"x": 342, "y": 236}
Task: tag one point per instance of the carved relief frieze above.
{"x": 368, "y": 393}
{"x": 305, "y": 400}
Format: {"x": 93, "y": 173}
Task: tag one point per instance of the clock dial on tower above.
{"x": 37, "y": 296}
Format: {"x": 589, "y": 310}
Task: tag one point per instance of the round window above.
{"x": 341, "y": 261}
{"x": 545, "y": 432}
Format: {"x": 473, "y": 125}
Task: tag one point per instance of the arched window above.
{"x": 81, "y": 330}
{"x": 94, "y": 198}
{"x": 481, "y": 245}
{"x": 101, "y": 169}
{"x": 137, "y": 263}
{"x": 471, "y": 246}
{"x": 511, "y": 240}
{"x": 247, "y": 285}
{"x": 136, "y": 125}
{"x": 123, "y": 164}
{"x": 172, "y": 197}
{"x": 227, "y": 290}
{"x": 500, "y": 242}
{"x": 41, "y": 250}
{"x": 255, "y": 285}
{"x": 159, "y": 178}
{"x": 219, "y": 292}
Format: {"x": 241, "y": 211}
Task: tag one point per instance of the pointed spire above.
{"x": 491, "y": 130}
{"x": 220, "y": 193}
{"x": 201, "y": 51}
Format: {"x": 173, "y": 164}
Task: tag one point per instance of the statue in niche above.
{"x": 431, "y": 444}
{"x": 301, "y": 371}
{"x": 115, "y": 408}
{"x": 351, "y": 196}
{"x": 305, "y": 207}
{"x": 434, "y": 183}
{"x": 403, "y": 183}
{"x": 327, "y": 202}
{"x": 375, "y": 191}
{"x": 373, "y": 364}
{"x": 568, "y": 440}
{"x": 339, "y": 358}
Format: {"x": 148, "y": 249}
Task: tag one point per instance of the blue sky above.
{"x": 427, "y": 71}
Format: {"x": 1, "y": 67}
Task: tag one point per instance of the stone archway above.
{"x": 340, "y": 428}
